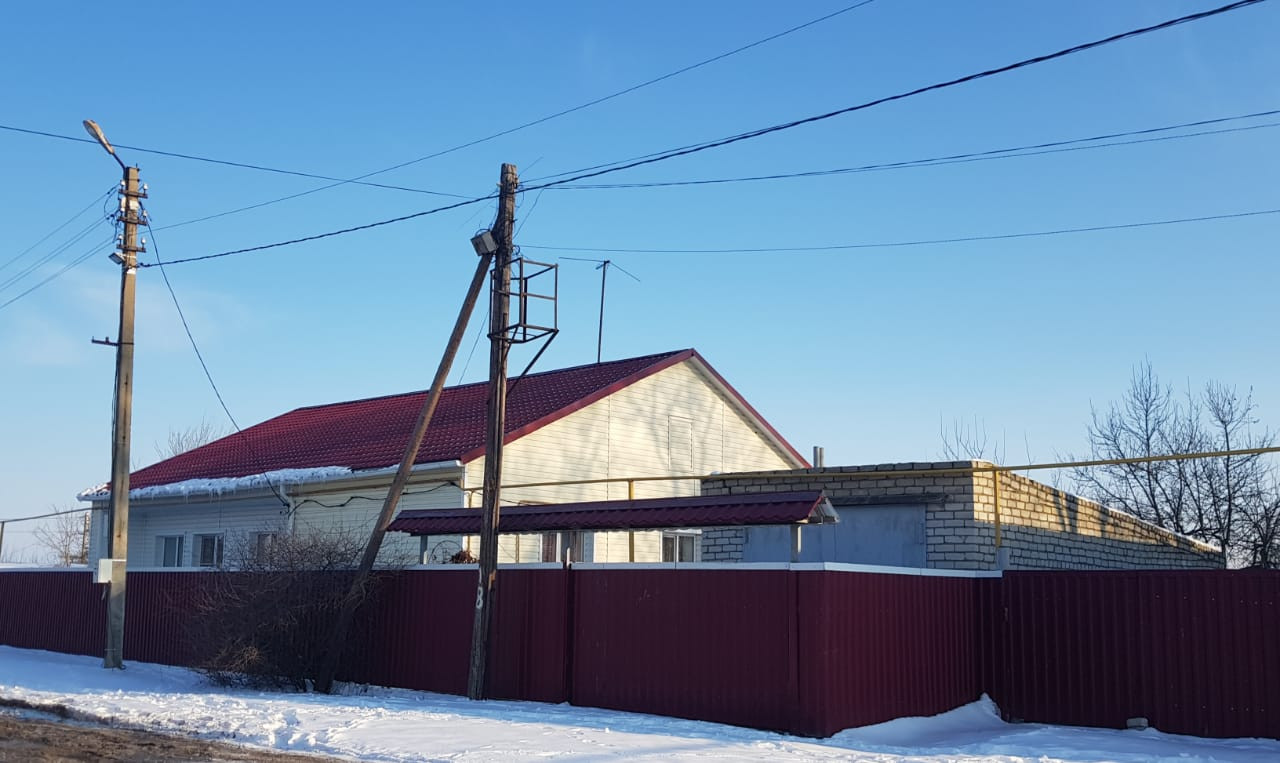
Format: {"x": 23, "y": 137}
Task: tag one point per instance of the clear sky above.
{"x": 863, "y": 351}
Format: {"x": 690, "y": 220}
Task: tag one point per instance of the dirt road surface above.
{"x": 26, "y": 737}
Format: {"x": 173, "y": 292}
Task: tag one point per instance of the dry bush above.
{"x": 265, "y": 621}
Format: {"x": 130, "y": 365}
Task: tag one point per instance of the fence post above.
{"x": 571, "y": 621}
{"x": 631, "y": 534}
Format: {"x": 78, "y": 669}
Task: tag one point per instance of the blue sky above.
{"x": 862, "y": 351}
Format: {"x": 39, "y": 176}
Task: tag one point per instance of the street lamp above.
{"x": 122, "y": 407}
{"x": 95, "y": 132}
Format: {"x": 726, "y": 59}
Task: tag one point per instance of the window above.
{"x": 208, "y": 550}
{"x": 680, "y": 547}
{"x": 555, "y": 545}
{"x": 262, "y": 546}
{"x": 169, "y": 551}
{"x": 550, "y": 543}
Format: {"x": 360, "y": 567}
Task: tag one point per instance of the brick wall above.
{"x": 1046, "y": 528}
{"x": 723, "y": 544}
{"x": 1041, "y": 527}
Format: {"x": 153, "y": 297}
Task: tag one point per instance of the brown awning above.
{"x": 805, "y": 507}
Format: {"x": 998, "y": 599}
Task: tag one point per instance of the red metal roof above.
{"x": 371, "y": 434}
{"x": 646, "y": 514}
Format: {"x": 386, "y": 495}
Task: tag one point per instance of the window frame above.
{"x": 262, "y": 551}
{"x": 197, "y": 550}
{"x": 678, "y": 538}
{"x": 162, "y": 544}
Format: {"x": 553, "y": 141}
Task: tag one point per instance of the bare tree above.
{"x": 182, "y": 440}
{"x": 65, "y": 538}
{"x": 1229, "y": 501}
{"x": 963, "y": 442}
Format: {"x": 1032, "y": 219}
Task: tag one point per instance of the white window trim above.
{"x": 197, "y": 541}
{"x": 179, "y": 557}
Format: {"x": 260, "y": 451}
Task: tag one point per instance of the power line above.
{"x": 74, "y": 263}
{"x": 200, "y": 357}
{"x": 187, "y": 327}
{"x": 228, "y": 163}
{"x": 1036, "y": 149}
{"x": 36, "y": 264}
{"x": 50, "y": 234}
{"x": 693, "y": 149}
{"x": 359, "y": 180}
{"x": 920, "y": 242}
{"x": 317, "y": 236}
{"x": 634, "y": 88}
{"x": 767, "y": 130}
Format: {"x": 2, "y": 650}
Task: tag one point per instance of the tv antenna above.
{"x": 603, "y": 266}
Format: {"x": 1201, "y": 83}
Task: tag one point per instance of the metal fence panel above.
{"x": 809, "y": 652}
{"x": 714, "y": 645}
{"x": 1194, "y": 652}
{"x": 874, "y": 647}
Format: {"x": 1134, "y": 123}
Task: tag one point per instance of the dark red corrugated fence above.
{"x": 717, "y": 645}
{"x": 805, "y": 650}
{"x": 1193, "y": 652}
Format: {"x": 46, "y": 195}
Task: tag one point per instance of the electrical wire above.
{"x": 228, "y": 163}
{"x": 379, "y": 498}
{"x": 633, "y": 88}
{"x": 360, "y": 179}
{"x": 69, "y": 266}
{"x": 329, "y": 234}
{"x": 199, "y": 355}
{"x": 1036, "y": 149}
{"x": 693, "y": 149}
{"x": 920, "y": 242}
{"x": 768, "y": 130}
{"x": 50, "y": 234}
{"x": 36, "y": 264}
{"x": 525, "y": 218}
{"x": 182, "y": 316}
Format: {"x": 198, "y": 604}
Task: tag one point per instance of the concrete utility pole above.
{"x": 118, "y": 544}
{"x": 499, "y": 344}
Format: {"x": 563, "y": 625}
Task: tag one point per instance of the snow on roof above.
{"x": 222, "y": 485}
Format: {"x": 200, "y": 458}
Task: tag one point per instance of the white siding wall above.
{"x": 239, "y": 519}
{"x": 354, "y": 510}
{"x": 236, "y": 519}
{"x": 673, "y": 422}
{"x": 97, "y": 533}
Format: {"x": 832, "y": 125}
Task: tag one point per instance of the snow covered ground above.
{"x": 397, "y": 725}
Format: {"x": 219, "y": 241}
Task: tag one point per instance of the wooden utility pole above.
{"x": 604, "y": 273}
{"x": 324, "y": 680}
{"x": 118, "y": 544}
{"x": 499, "y": 320}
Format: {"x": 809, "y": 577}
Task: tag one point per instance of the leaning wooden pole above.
{"x": 495, "y": 432}
{"x": 342, "y": 625}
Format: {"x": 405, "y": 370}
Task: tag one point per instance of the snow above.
{"x": 276, "y": 478}
{"x": 221, "y": 485}
{"x": 376, "y": 724}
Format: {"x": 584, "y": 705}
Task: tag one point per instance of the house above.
{"x": 327, "y": 468}
{"x": 949, "y": 515}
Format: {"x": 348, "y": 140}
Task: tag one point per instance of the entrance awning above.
{"x": 803, "y": 507}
